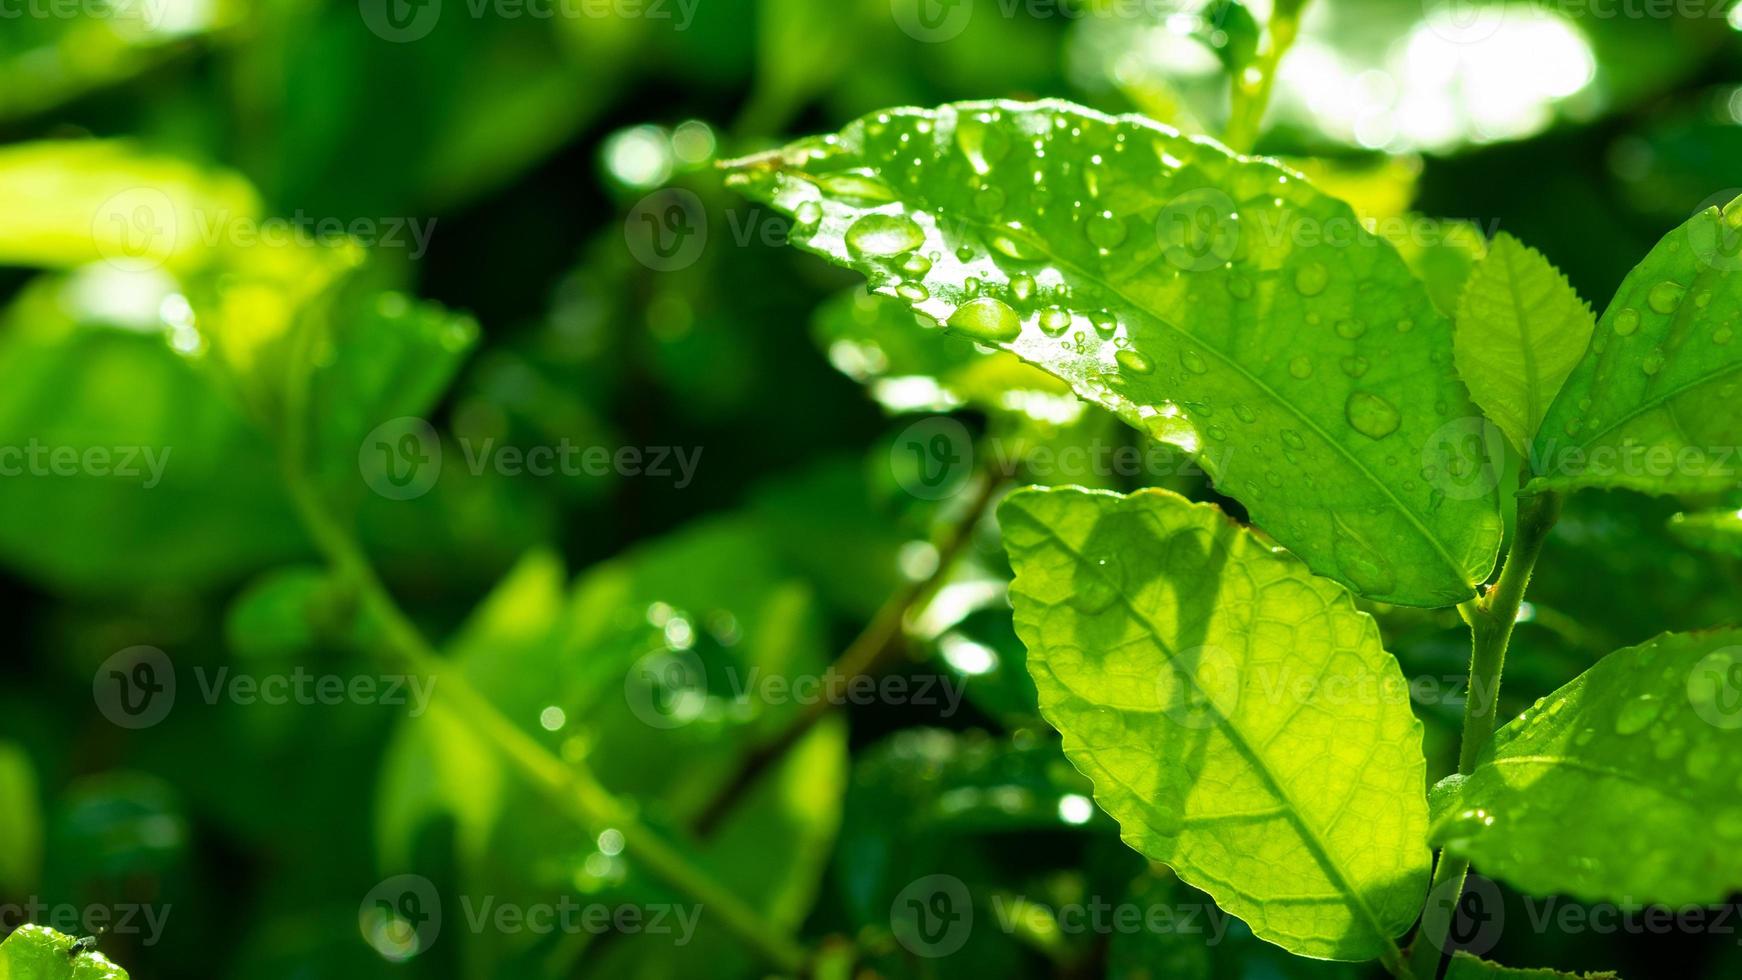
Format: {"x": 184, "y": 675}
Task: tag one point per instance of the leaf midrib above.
{"x": 1308, "y": 835}
{"x": 1385, "y": 488}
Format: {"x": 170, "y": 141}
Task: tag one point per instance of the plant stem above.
{"x": 873, "y": 651}
{"x": 1250, "y": 89}
{"x": 570, "y": 787}
{"x": 1491, "y": 618}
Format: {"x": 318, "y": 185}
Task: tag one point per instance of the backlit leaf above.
{"x": 36, "y": 953}
{"x": 1621, "y": 786}
{"x": 1220, "y": 304}
{"x": 1237, "y": 714}
{"x": 1467, "y": 967}
{"x": 1520, "y": 330}
{"x": 1654, "y": 405}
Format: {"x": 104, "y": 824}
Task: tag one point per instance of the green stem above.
{"x": 876, "y": 649}
{"x": 1250, "y": 89}
{"x": 1491, "y": 618}
{"x": 570, "y": 787}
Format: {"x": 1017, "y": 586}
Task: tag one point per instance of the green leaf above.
{"x": 1653, "y": 405}
{"x": 1521, "y": 329}
{"x": 1467, "y": 967}
{"x": 1714, "y": 530}
{"x": 1620, "y": 786}
{"x": 1203, "y": 681}
{"x": 36, "y": 953}
{"x": 1218, "y": 303}
{"x": 20, "y": 822}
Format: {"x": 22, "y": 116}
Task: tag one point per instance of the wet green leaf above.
{"x": 1653, "y": 405}
{"x": 1192, "y": 670}
{"x": 1520, "y": 330}
{"x": 1620, "y": 786}
{"x": 1218, "y": 303}
{"x": 36, "y": 953}
{"x": 1467, "y": 967}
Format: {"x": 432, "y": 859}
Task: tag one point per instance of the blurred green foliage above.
{"x": 364, "y": 226}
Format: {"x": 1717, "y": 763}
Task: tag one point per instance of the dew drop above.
{"x": 808, "y": 215}
{"x": 986, "y": 319}
{"x": 884, "y": 234}
{"x": 1721, "y": 336}
{"x": 1652, "y": 364}
{"x": 1626, "y": 322}
{"x": 1022, "y": 289}
{"x": 964, "y": 254}
{"x": 1192, "y": 361}
{"x": 913, "y": 292}
{"x": 1292, "y": 439}
{"x": 1354, "y": 366}
{"x": 1245, "y": 414}
{"x": 1106, "y": 231}
{"x": 1371, "y": 415}
{"x": 1636, "y": 714}
{"x": 1666, "y": 296}
{"x": 1301, "y": 367}
{"x": 1310, "y": 279}
{"x": 1055, "y": 320}
{"x": 1103, "y": 322}
{"x": 856, "y": 188}
{"x": 1134, "y": 362}
{"x": 1405, "y": 325}
{"x": 1351, "y": 328}
{"x": 1239, "y": 286}
{"x": 916, "y": 264}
